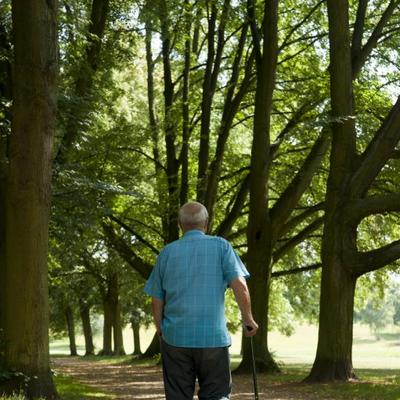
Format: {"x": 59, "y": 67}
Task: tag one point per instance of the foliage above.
{"x": 380, "y": 311}
{"x": 118, "y": 163}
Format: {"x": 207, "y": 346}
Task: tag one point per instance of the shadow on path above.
{"x": 128, "y": 382}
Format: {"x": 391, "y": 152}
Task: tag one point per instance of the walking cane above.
{"x": 249, "y": 328}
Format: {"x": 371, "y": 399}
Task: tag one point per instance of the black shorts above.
{"x": 182, "y": 365}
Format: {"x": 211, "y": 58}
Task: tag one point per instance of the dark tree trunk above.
{"x": 154, "y": 347}
{"x": 2, "y": 251}
{"x": 350, "y": 177}
{"x": 259, "y": 238}
{"x": 84, "y": 310}
{"x": 333, "y": 360}
{"x": 69, "y": 316}
{"x": 107, "y": 327}
{"x": 334, "y": 354}
{"x": 28, "y": 195}
{"x": 116, "y": 315}
{"x": 170, "y": 128}
{"x": 259, "y": 286}
{"x": 155, "y": 130}
{"x": 117, "y": 329}
{"x": 136, "y": 338}
{"x": 5, "y": 91}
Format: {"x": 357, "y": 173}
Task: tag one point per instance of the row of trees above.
{"x": 283, "y": 119}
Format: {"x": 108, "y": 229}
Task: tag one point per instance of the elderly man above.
{"x": 187, "y": 286}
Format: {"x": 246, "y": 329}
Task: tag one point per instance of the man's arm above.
{"x": 157, "y": 306}
{"x": 242, "y": 295}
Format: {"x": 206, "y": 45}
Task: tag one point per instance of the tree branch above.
{"x": 298, "y": 219}
{"x": 311, "y": 267}
{"x": 226, "y": 225}
{"x": 377, "y": 152}
{"x": 83, "y": 83}
{"x": 298, "y": 25}
{"x": 358, "y": 209}
{"x": 126, "y": 253}
{"x": 134, "y": 233}
{"x": 375, "y": 259}
{"x": 285, "y": 205}
{"x": 359, "y": 58}
{"x": 358, "y": 32}
{"x": 295, "y": 240}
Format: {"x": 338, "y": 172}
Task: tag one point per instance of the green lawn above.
{"x": 376, "y": 361}
{"x": 70, "y": 389}
{"x": 368, "y": 352}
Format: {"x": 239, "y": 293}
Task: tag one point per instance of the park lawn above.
{"x": 376, "y": 361}
{"x": 70, "y": 389}
{"x": 373, "y": 384}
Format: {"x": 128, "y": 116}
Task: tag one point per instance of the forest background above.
{"x": 282, "y": 118}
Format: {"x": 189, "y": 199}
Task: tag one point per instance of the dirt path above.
{"x": 128, "y": 382}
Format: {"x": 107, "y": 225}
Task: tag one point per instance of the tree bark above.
{"x": 5, "y": 92}
{"x": 169, "y": 127}
{"x": 69, "y": 316}
{"x": 154, "y": 347}
{"x": 84, "y": 310}
{"x": 333, "y": 360}
{"x": 107, "y": 327}
{"x": 184, "y": 156}
{"x": 334, "y": 354}
{"x": 136, "y": 338}
{"x": 259, "y": 238}
{"x": 155, "y": 129}
{"x": 213, "y": 64}
{"x": 28, "y": 195}
{"x": 116, "y": 316}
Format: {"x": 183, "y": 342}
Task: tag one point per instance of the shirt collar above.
{"x": 193, "y": 232}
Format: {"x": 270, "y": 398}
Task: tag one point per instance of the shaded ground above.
{"x": 138, "y": 382}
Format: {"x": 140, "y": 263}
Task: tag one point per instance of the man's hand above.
{"x": 250, "y": 328}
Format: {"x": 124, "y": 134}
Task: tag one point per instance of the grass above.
{"x": 70, "y": 389}
{"x": 376, "y": 362}
{"x": 373, "y": 385}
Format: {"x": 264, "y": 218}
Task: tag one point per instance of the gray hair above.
{"x": 193, "y": 214}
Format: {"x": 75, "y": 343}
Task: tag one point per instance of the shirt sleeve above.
{"x": 154, "y": 285}
{"x": 232, "y": 265}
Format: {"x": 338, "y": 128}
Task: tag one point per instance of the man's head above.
{"x": 193, "y": 215}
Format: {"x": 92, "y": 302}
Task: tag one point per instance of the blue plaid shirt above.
{"x": 191, "y": 276}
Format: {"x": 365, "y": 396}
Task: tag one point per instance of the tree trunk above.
{"x": 333, "y": 361}
{"x": 84, "y": 309}
{"x": 259, "y": 286}
{"x": 117, "y": 329}
{"x": 334, "y": 351}
{"x": 136, "y": 338}
{"x": 28, "y": 196}
{"x": 69, "y": 316}
{"x": 5, "y": 90}
{"x": 2, "y": 253}
{"x": 259, "y": 235}
{"x": 154, "y": 347}
{"x": 107, "y": 327}
{"x": 116, "y": 315}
